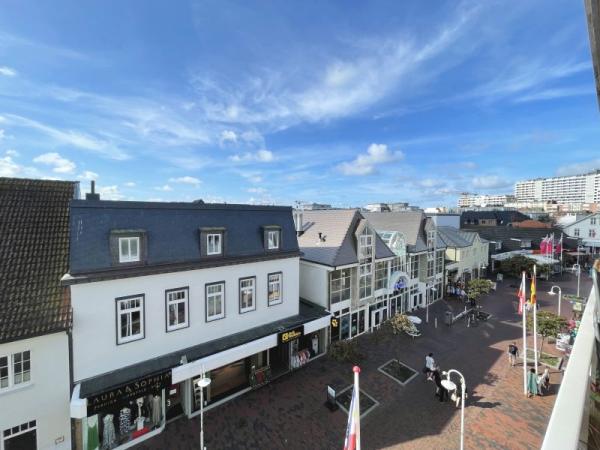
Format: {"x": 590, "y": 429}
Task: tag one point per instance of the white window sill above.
{"x": 242, "y": 311}
{"x": 129, "y": 339}
{"x": 177, "y": 327}
{"x": 17, "y": 388}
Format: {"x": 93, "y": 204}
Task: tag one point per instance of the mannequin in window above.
{"x": 141, "y": 414}
{"x": 108, "y": 434}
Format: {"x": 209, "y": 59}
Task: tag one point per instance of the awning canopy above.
{"x": 539, "y": 259}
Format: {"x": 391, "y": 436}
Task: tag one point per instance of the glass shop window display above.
{"x": 307, "y": 347}
{"x": 119, "y": 424}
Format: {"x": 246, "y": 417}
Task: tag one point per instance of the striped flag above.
{"x": 352, "y": 441}
{"x": 521, "y": 294}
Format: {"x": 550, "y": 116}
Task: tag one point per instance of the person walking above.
{"x": 429, "y": 366}
{"x": 513, "y": 352}
{"x": 532, "y": 383}
{"x": 544, "y": 382}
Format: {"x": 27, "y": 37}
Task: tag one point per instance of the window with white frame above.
{"x": 414, "y": 267}
{"x": 130, "y": 319}
{"x": 365, "y": 244}
{"x": 129, "y": 249}
{"x": 592, "y": 233}
{"x": 439, "y": 264}
{"x": 340, "y": 285}
{"x": 381, "y": 275}
{"x": 273, "y": 239}
{"x": 20, "y": 436}
{"x": 430, "y": 266}
{"x": 214, "y": 243}
{"x": 15, "y": 369}
{"x": 365, "y": 283}
{"x": 576, "y": 232}
{"x": 247, "y": 294}
{"x": 274, "y": 290}
{"x": 177, "y": 309}
{"x": 592, "y": 221}
{"x": 215, "y": 301}
{"x": 431, "y": 239}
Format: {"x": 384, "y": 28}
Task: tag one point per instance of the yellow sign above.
{"x": 288, "y": 336}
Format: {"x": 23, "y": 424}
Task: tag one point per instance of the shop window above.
{"x": 247, "y": 294}
{"x": 20, "y": 437}
{"x": 215, "y": 301}
{"x": 340, "y": 285}
{"x": 15, "y": 369}
{"x": 274, "y": 291}
{"x": 177, "y": 309}
{"x": 361, "y": 321}
{"x": 130, "y": 319}
{"x": 129, "y": 249}
{"x": 345, "y": 327}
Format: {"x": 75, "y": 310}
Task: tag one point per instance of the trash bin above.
{"x": 448, "y": 318}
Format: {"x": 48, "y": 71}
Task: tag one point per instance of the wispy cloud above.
{"x": 578, "y": 168}
{"x": 88, "y": 175}
{"x": 553, "y": 93}
{"x": 263, "y": 156}
{"x": 491, "y": 182}
{"x": 365, "y": 164}
{"x": 7, "y": 71}
{"x": 164, "y": 188}
{"x": 186, "y": 180}
{"x": 57, "y": 162}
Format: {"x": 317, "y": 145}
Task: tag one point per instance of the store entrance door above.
{"x": 174, "y": 405}
{"x": 378, "y": 317}
{"x": 279, "y": 359}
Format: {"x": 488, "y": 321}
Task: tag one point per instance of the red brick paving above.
{"x": 290, "y": 414}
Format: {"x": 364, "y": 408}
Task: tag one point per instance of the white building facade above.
{"x": 587, "y": 230}
{"x": 567, "y": 189}
{"x": 175, "y": 292}
{"x": 469, "y": 200}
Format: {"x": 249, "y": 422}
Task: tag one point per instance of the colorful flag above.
{"x": 521, "y": 295}
{"x": 533, "y": 295}
{"x": 353, "y": 428}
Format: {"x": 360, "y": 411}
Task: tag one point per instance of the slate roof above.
{"x": 172, "y": 232}
{"x": 338, "y": 227}
{"x": 507, "y": 234}
{"x": 96, "y": 385}
{"x": 502, "y": 217}
{"x": 410, "y": 223}
{"x": 454, "y": 237}
{"x": 34, "y": 255}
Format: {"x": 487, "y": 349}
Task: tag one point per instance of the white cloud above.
{"x": 58, "y": 163}
{"x": 12, "y": 152}
{"x": 2, "y": 136}
{"x": 186, "y": 180}
{"x": 365, "y": 164}
{"x": 88, "y": 175}
{"x": 259, "y": 156}
{"x": 8, "y": 167}
{"x": 257, "y": 190}
{"x": 130, "y": 184}
{"x": 110, "y": 193}
{"x": 7, "y": 71}
{"x": 165, "y": 188}
{"x": 578, "y": 168}
{"x": 490, "y": 182}
{"x": 228, "y": 136}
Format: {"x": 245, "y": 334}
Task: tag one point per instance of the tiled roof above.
{"x": 34, "y": 255}
{"x": 510, "y": 236}
{"x": 501, "y": 217}
{"x": 337, "y": 227}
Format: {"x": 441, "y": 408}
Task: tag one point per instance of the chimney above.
{"x": 92, "y": 195}
{"x": 298, "y": 223}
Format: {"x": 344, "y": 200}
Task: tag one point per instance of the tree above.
{"x": 517, "y": 264}
{"x": 478, "y": 287}
{"x": 548, "y": 325}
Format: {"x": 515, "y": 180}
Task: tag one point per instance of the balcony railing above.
{"x": 575, "y": 417}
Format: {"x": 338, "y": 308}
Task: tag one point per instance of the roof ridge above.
{"x": 337, "y": 251}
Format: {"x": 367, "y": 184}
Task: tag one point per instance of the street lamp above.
{"x": 427, "y": 295}
{"x": 481, "y": 268}
{"x": 578, "y": 268}
{"x": 203, "y": 382}
{"x": 551, "y": 292}
{"x": 451, "y": 386}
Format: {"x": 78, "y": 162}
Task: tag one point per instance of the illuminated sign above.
{"x": 291, "y": 335}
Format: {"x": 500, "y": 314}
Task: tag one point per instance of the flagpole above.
{"x": 524, "y": 314}
{"x": 356, "y": 370}
{"x": 534, "y": 304}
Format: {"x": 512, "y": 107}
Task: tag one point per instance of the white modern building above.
{"x": 469, "y": 200}
{"x": 587, "y": 230}
{"x": 567, "y": 189}
{"x": 35, "y": 314}
{"x": 163, "y": 292}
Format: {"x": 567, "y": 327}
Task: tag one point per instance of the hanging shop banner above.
{"x": 149, "y": 385}
{"x": 291, "y": 335}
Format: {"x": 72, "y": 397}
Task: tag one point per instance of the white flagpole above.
{"x": 357, "y": 400}
{"x": 561, "y": 253}
{"x": 535, "y": 355}
{"x": 524, "y": 314}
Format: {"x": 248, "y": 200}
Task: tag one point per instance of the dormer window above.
{"x": 213, "y": 243}
{"x": 129, "y": 249}
{"x": 273, "y": 239}
{"x": 365, "y": 244}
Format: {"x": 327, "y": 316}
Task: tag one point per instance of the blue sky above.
{"x": 272, "y": 102}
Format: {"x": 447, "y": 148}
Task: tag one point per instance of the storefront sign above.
{"x": 401, "y": 284}
{"x": 291, "y": 335}
{"x": 128, "y": 392}
{"x": 335, "y": 326}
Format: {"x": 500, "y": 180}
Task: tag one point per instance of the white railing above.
{"x": 568, "y": 426}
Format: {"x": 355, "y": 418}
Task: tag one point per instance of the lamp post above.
{"x": 463, "y": 385}
{"x": 578, "y": 267}
{"x": 481, "y": 268}
{"x": 427, "y": 296}
{"x": 203, "y": 382}
{"x": 551, "y": 292}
